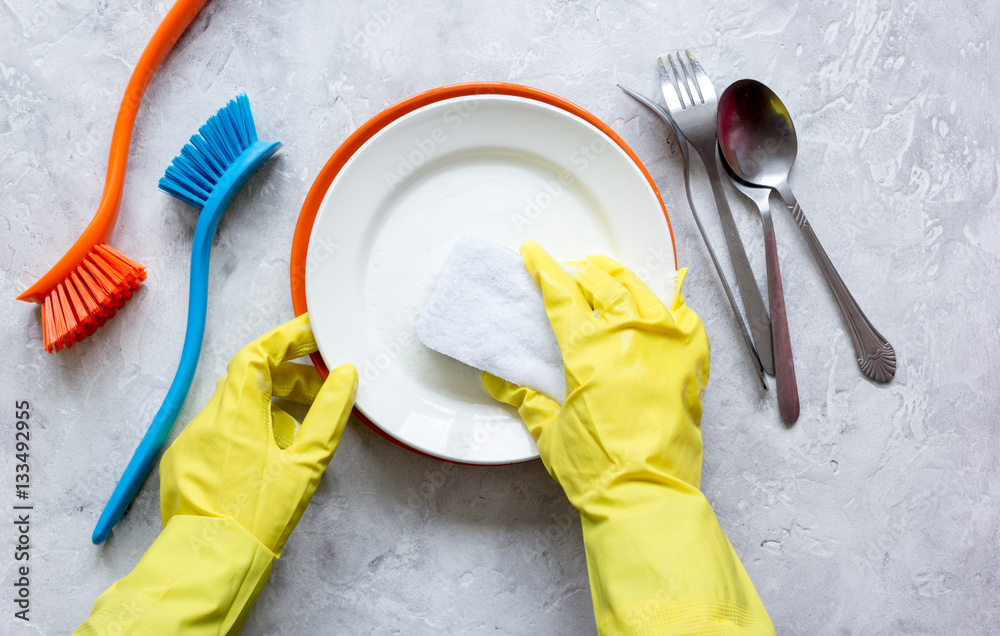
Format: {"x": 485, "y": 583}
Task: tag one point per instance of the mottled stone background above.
{"x": 876, "y": 514}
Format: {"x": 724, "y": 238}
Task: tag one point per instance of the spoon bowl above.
{"x": 756, "y": 135}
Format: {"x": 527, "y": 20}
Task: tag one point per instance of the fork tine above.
{"x": 692, "y": 86}
{"x": 677, "y": 77}
{"x": 707, "y": 88}
{"x": 673, "y": 96}
{"x": 653, "y": 106}
{"x": 645, "y": 101}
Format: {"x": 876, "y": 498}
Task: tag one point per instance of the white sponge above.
{"x": 487, "y": 312}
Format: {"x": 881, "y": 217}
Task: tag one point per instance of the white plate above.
{"x": 510, "y": 167}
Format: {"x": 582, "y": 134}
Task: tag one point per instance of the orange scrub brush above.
{"x": 93, "y": 279}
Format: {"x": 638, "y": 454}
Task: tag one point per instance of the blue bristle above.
{"x": 193, "y": 174}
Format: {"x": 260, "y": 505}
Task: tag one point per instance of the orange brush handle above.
{"x": 100, "y": 228}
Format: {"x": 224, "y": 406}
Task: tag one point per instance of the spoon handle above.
{"x": 784, "y": 367}
{"x": 875, "y": 355}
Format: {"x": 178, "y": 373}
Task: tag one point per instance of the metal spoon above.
{"x": 784, "y": 367}
{"x": 757, "y": 140}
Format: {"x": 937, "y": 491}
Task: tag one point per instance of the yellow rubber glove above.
{"x": 233, "y": 485}
{"x": 626, "y": 448}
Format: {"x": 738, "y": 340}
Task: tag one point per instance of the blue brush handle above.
{"x": 156, "y": 436}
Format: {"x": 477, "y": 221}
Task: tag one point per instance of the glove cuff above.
{"x": 660, "y": 563}
{"x": 200, "y": 576}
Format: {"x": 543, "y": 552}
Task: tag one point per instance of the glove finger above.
{"x": 684, "y": 319}
{"x": 678, "y": 300}
{"x": 536, "y": 410}
{"x": 291, "y": 340}
{"x": 297, "y": 382}
{"x": 322, "y": 428}
{"x": 283, "y": 427}
{"x": 565, "y": 304}
{"x": 608, "y": 296}
{"x": 649, "y": 304}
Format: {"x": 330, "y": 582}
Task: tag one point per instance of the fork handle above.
{"x": 685, "y": 149}
{"x": 682, "y": 143}
{"x": 760, "y": 322}
{"x": 875, "y": 355}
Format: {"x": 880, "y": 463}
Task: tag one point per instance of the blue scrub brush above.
{"x": 207, "y": 174}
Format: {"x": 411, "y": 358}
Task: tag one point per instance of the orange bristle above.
{"x": 85, "y": 325}
{"x": 90, "y": 307}
{"x": 93, "y": 292}
{"x": 66, "y": 311}
{"x": 79, "y": 305}
{"x": 128, "y": 271}
{"x": 106, "y": 289}
{"x": 48, "y": 324}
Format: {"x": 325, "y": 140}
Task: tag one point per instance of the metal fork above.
{"x": 692, "y": 103}
{"x": 685, "y": 150}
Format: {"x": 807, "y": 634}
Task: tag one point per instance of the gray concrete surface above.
{"x": 876, "y": 514}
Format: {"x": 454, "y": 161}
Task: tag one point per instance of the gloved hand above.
{"x": 233, "y": 485}
{"x": 626, "y": 448}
